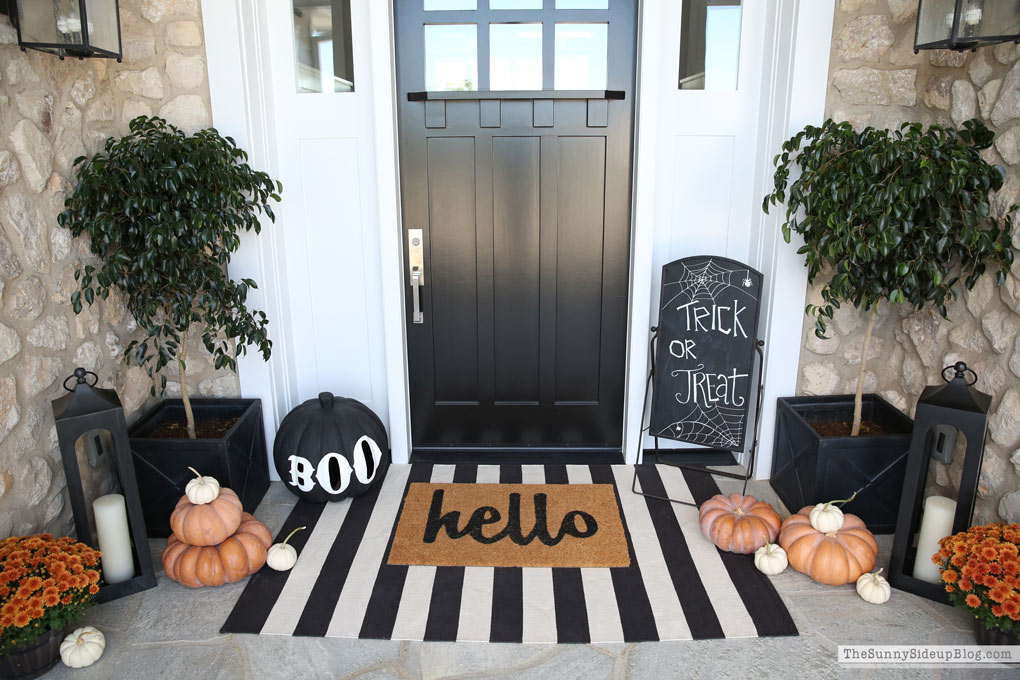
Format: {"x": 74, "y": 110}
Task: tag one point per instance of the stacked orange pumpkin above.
{"x": 214, "y": 541}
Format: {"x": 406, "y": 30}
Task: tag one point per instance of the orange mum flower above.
{"x": 21, "y": 619}
{"x": 997, "y": 610}
{"x": 990, "y": 581}
{"x": 6, "y": 621}
{"x": 973, "y": 600}
{"x": 957, "y": 561}
{"x": 1011, "y": 606}
{"x": 66, "y": 599}
{"x": 999, "y": 593}
{"x": 950, "y": 576}
{"x": 33, "y": 583}
{"x": 989, "y": 553}
{"x": 949, "y": 588}
{"x": 93, "y": 589}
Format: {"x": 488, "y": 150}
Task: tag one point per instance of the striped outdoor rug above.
{"x": 677, "y": 587}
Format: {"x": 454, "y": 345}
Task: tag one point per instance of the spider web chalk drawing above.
{"x": 704, "y": 363}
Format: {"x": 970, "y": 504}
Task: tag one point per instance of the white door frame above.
{"x": 794, "y": 81}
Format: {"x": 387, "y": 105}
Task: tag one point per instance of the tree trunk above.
{"x": 189, "y": 415}
{"x": 859, "y": 397}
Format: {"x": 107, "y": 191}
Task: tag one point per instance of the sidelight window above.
{"x": 322, "y": 45}
{"x": 709, "y": 44}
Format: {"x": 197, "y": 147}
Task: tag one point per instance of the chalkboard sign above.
{"x": 704, "y": 359}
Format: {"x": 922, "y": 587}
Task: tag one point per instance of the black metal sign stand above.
{"x": 759, "y": 344}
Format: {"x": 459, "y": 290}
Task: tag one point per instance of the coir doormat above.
{"x": 675, "y": 585}
{"x": 510, "y": 525}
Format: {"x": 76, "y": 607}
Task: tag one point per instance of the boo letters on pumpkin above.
{"x": 330, "y": 448}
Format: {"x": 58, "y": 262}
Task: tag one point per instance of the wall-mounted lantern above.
{"x": 944, "y": 413}
{"x": 107, "y": 511}
{"x": 70, "y": 28}
{"x": 965, "y": 24}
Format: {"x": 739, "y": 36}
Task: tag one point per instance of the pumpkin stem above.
{"x": 878, "y": 572}
{"x": 292, "y": 533}
{"x": 197, "y": 474}
{"x": 845, "y": 500}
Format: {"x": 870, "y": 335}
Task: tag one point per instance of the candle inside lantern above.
{"x": 936, "y": 523}
{"x": 114, "y": 538}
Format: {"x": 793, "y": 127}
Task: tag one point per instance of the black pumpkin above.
{"x": 331, "y": 448}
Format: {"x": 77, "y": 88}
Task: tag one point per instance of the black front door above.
{"x": 515, "y": 156}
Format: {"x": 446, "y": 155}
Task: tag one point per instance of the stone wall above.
{"x": 876, "y": 79}
{"x": 51, "y": 112}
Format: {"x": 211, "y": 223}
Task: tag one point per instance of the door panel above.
{"x": 523, "y": 200}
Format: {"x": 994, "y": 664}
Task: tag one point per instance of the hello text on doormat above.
{"x": 510, "y": 525}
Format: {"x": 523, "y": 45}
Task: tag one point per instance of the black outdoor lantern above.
{"x": 69, "y": 28}
{"x": 96, "y": 478}
{"x": 965, "y": 24}
{"x": 944, "y": 412}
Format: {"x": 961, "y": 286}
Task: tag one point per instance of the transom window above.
{"x": 503, "y": 45}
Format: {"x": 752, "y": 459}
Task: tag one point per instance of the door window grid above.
{"x": 557, "y": 51}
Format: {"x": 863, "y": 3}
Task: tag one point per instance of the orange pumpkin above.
{"x": 832, "y": 558}
{"x": 209, "y": 523}
{"x": 739, "y": 524}
{"x": 242, "y": 554}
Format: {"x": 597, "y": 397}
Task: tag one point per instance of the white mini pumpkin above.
{"x": 83, "y": 647}
{"x": 202, "y": 490}
{"x": 281, "y": 556}
{"x": 770, "y": 559}
{"x": 826, "y": 517}
{"x": 873, "y": 588}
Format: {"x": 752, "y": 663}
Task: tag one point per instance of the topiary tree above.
{"x": 163, "y": 211}
{"x": 897, "y": 215}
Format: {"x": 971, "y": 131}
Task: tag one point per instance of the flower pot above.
{"x": 237, "y": 459}
{"x": 992, "y": 636}
{"x": 35, "y": 659}
{"x": 808, "y": 468}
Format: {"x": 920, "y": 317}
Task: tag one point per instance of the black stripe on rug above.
{"x": 636, "y": 616}
{"x": 507, "y": 622}
{"x": 381, "y": 613}
{"x": 448, "y": 584}
{"x": 264, "y": 588}
{"x": 694, "y": 600}
{"x": 763, "y": 603}
{"x": 568, "y": 588}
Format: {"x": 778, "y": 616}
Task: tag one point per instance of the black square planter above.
{"x": 238, "y": 459}
{"x": 809, "y": 469}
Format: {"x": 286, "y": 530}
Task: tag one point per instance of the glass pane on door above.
{"x": 709, "y": 44}
{"x": 515, "y": 56}
{"x": 451, "y": 57}
{"x": 324, "y": 60}
{"x": 581, "y": 56}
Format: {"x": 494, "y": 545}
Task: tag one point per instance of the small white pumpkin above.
{"x": 281, "y": 556}
{"x": 202, "y": 490}
{"x": 83, "y": 647}
{"x": 770, "y": 559}
{"x": 826, "y": 517}
{"x": 873, "y": 588}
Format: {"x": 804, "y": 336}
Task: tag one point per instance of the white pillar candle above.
{"x": 936, "y": 523}
{"x": 114, "y": 538}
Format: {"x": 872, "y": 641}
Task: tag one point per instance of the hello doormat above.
{"x": 510, "y": 525}
{"x": 675, "y": 585}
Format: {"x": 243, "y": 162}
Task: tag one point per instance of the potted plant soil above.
{"x": 163, "y": 211}
{"x": 891, "y": 217}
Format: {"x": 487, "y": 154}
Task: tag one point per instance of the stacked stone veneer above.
{"x": 876, "y": 79}
{"x": 51, "y": 112}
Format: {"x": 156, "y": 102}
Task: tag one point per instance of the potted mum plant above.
{"x": 889, "y": 217}
{"x": 46, "y": 584}
{"x": 163, "y": 212}
{"x": 981, "y": 571}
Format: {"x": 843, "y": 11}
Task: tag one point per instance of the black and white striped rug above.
{"x": 677, "y": 587}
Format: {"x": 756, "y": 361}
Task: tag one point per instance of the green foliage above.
{"x": 900, "y": 215}
{"x": 164, "y": 212}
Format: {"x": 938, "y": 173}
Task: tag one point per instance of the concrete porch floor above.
{"x": 173, "y": 632}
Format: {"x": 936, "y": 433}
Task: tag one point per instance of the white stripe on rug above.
{"x": 294, "y": 597}
{"x": 475, "y": 622}
{"x": 669, "y": 616}
{"x": 604, "y": 623}
{"x": 413, "y": 611}
{"x": 349, "y": 613}
{"x": 539, "y": 622}
{"x": 726, "y": 602}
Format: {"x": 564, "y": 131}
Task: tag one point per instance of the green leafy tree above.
{"x": 164, "y": 211}
{"x": 893, "y": 215}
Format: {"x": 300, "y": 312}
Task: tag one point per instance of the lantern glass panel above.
{"x": 102, "y": 18}
{"x": 935, "y": 22}
{"x": 989, "y": 18}
{"x": 97, "y": 469}
{"x": 54, "y": 22}
{"x": 947, "y": 447}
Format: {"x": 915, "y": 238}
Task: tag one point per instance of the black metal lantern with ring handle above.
{"x": 69, "y": 28}
{"x": 965, "y": 24}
